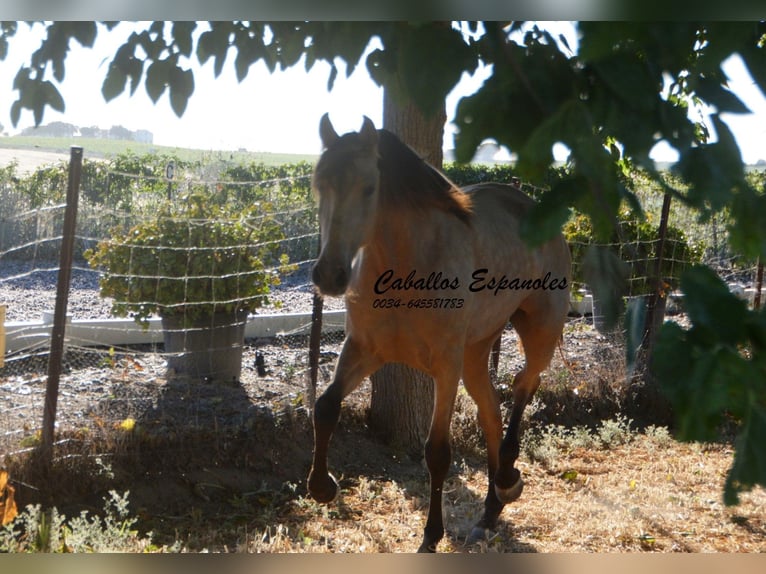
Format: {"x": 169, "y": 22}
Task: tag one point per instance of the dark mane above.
{"x": 406, "y": 179}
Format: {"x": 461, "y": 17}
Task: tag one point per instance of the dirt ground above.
{"x": 222, "y": 467}
{"x": 29, "y": 159}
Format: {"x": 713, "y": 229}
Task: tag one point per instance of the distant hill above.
{"x": 66, "y": 130}
{"x": 33, "y": 151}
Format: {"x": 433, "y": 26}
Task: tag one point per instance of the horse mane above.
{"x": 407, "y": 180}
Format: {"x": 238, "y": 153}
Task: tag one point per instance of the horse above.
{"x": 431, "y": 274}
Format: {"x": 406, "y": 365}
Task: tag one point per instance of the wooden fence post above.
{"x": 314, "y": 339}
{"x": 59, "y": 315}
{"x": 647, "y": 395}
{"x": 2, "y": 336}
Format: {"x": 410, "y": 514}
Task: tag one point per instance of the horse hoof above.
{"x": 323, "y": 489}
{"x": 426, "y": 548}
{"x": 507, "y": 495}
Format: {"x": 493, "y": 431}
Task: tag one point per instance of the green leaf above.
{"x": 536, "y": 155}
{"x": 331, "y": 77}
{"x": 747, "y": 230}
{"x": 690, "y": 375}
{"x": 15, "y": 112}
{"x": 85, "y": 33}
{"x": 289, "y": 42}
{"x": 710, "y": 90}
{"x": 344, "y": 40}
{"x": 182, "y": 36}
{"x": 628, "y": 77}
{"x": 249, "y": 50}
{"x": 181, "y": 83}
{"x": 606, "y": 275}
{"x": 38, "y": 109}
{"x": 114, "y": 82}
{"x": 214, "y": 43}
{"x": 754, "y": 57}
{"x": 22, "y": 80}
{"x": 53, "y": 96}
{"x": 712, "y": 306}
{"x": 749, "y": 468}
{"x": 157, "y": 79}
{"x": 717, "y": 369}
{"x": 474, "y": 125}
{"x": 430, "y": 62}
{"x": 713, "y": 170}
{"x": 548, "y": 216}
{"x": 124, "y": 65}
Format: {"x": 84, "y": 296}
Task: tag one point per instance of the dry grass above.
{"x": 607, "y": 490}
{"x": 649, "y": 495}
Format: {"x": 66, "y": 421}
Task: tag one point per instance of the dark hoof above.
{"x": 427, "y": 548}
{"x": 323, "y": 489}
{"x": 511, "y": 493}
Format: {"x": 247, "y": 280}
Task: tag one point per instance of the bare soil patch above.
{"x": 28, "y": 160}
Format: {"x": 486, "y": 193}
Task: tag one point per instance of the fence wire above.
{"x": 105, "y": 385}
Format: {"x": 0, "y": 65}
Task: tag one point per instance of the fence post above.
{"x": 2, "y": 335}
{"x": 647, "y": 395}
{"x": 653, "y": 318}
{"x": 314, "y": 337}
{"x": 62, "y": 299}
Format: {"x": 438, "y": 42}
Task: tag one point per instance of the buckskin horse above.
{"x": 431, "y": 273}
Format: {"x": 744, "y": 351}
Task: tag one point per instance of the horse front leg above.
{"x": 438, "y": 454}
{"x": 353, "y": 365}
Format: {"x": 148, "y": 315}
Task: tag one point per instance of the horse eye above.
{"x": 369, "y": 190}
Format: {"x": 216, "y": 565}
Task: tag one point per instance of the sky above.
{"x": 276, "y": 112}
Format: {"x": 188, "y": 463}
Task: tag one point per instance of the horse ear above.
{"x": 327, "y": 133}
{"x": 368, "y": 133}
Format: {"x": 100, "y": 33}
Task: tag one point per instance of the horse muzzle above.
{"x": 331, "y": 280}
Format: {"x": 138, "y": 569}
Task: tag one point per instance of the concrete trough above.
{"x": 21, "y": 335}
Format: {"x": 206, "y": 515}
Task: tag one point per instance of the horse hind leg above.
{"x": 539, "y": 339}
{"x": 353, "y": 365}
{"x": 477, "y": 381}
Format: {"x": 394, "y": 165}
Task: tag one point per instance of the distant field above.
{"x": 104, "y": 148}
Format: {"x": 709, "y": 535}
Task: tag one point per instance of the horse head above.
{"x": 346, "y": 182}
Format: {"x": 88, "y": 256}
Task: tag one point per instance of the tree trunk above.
{"x": 401, "y": 405}
{"x": 402, "y": 397}
{"x": 424, "y": 134}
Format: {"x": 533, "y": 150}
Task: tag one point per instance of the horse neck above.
{"x": 393, "y": 237}
{"x": 401, "y": 237}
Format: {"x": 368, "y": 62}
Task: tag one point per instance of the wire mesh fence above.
{"x": 262, "y": 267}
{"x": 116, "y": 371}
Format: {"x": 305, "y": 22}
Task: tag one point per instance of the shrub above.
{"x": 636, "y": 242}
{"x": 194, "y": 258}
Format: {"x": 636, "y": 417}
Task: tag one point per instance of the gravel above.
{"x": 29, "y": 289}
{"x": 100, "y": 388}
